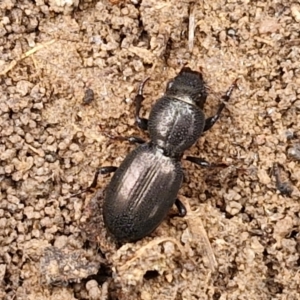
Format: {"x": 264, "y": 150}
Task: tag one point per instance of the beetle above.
{"x": 145, "y": 186}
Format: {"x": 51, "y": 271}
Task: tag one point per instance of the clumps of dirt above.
{"x": 64, "y": 266}
{"x": 62, "y": 6}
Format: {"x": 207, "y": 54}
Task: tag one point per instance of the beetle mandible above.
{"x": 145, "y": 186}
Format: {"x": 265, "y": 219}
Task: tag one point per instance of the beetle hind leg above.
{"x": 181, "y": 208}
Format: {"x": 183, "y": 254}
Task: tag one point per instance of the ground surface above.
{"x": 51, "y": 52}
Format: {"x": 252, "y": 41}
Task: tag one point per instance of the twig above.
{"x": 24, "y": 55}
{"x": 192, "y": 27}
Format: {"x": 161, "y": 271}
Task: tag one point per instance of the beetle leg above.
{"x": 181, "y": 208}
{"x": 130, "y": 139}
{"x": 139, "y": 98}
{"x": 100, "y": 171}
{"x": 203, "y": 163}
{"x": 135, "y": 140}
{"x": 209, "y": 122}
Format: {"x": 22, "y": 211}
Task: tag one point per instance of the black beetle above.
{"x": 145, "y": 186}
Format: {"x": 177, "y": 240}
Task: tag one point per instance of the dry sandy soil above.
{"x": 240, "y": 238}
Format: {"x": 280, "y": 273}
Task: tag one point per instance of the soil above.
{"x": 69, "y": 72}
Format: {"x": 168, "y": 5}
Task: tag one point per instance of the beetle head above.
{"x": 188, "y": 86}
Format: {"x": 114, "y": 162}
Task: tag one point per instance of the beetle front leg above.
{"x": 181, "y": 208}
{"x": 100, "y": 171}
{"x": 139, "y": 98}
{"x": 209, "y": 122}
{"x": 203, "y": 163}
